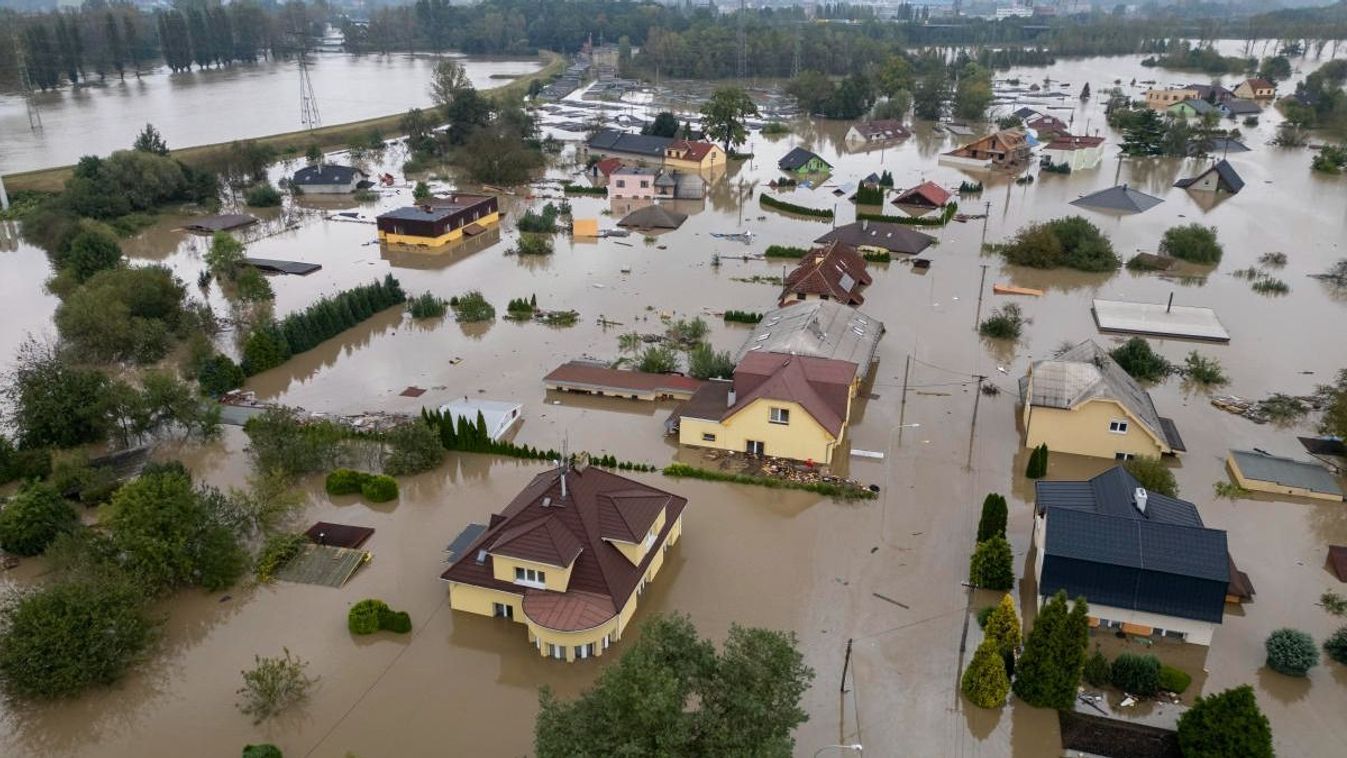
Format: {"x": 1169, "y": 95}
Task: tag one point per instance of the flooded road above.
{"x": 220, "y": 105}
{"x": 467, "y": 685}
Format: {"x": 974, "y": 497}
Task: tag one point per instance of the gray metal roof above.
{"x": 1087, "y": 372}
{"x": 326, "y": 173}
{"x": 1120, "y": 198}
{"x": 1230, "y": 180}
{"x": 465, "y": 538}
{"x": 653, "y": 217}
{"x": 1159, "y": 319}
{"x": 798, "y": 157}
{"x": 622, "y": 142}
{"x": 417, "y": 213}
{"x": 818, "y": 328}
{"x": 1285, "y": 471}
{"x": 1112, "y": 493}
{"x": 895, "y": 238}
{"x": 1240, "y": 107}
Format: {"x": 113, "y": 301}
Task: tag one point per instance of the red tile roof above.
{"x": 926, "y": 193}
{"x": 1260, "y": 84}
{"x": 690, "y": 150}
{"x": 835, "y": 270}
{"x": 821, "y": 386}
{"x": 1045, "y": 122}
{"x": 598, "y": 506}
{"x": 1072, "y": 142}
{"x": 592, "y": 374}
{"x": 608, "y": 165}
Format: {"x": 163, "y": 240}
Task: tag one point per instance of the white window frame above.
{"x": 528, "y": 577}
{"x": 1118, "y": 426}
{"x": 649, "y": 540}
{"x": 779, "y": 416}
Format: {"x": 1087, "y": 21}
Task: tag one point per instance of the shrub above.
{"x": 262, "y": 751}
{"x": 276, "y": 552}
{"x": 1048, "y": 674}
{"x": 534, "y": 244}
{"x": 742, "y": 317}
{"x": 1136, "y": 674}
{"x": 1003, "y": 627}
{"x": 984, "y": 681}
{"x": 413, "y": 447}
{"x": 345, "y": 481}
{"x": 993, "y": 520}
{"x": 472, "y": 307}
{"x": 1097, "y": 672}
{"x": 398, "y": 622}
{"x": 827, "y": 489}
{"x": 1336, "y": 645}
{"x": 427, "y": 305}
{"x": 1225, "y": 724}
{"x": 363, "y": 618}
{"x": 1333, "y": 603}
{"x": 1270, "y": 285}
{"x": 1153, "y": 474}
{"x": 1005, "y": 323}
{"x": 67, "y": 637}
{"x": 1037, "y": 467}
{"x": 782, "y": 205}
{"x": 1140, "y": 361}
{"x": 868, "y": 195}
{"x": 1194, "y": 243}
{"x": 983, "y": 614}
{"x": 992, "y": 565}
{"x": 705, "y": 363}
{"x": 273, "y": 685}
{"x": 544, "y": 222}
{"x": 219, "y": 374}
{"x": 1204, "y": 371}
{"x": 33, "y": 518}
{"x": 1070, "y": 242}
{"x": 262, "y": 195}
{"x": 379, "y": 488}
{"x": 784, "y": 251}
{"x": 1291, "y": 652}
{"x": 1174, "y": 680}
{"x": 657, "y": 359}
{"x": 1276, "y": 260}
{"x": 882, "y": 256}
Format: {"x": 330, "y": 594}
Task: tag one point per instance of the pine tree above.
{"x": 1048, "y": 672}
{"x": 993, "y": 521}
{"x": 984, "y": 681}
{"x": 1038, "y": 462}
{"x": 992, "y": 565}
{"x": 1003, "y": 627}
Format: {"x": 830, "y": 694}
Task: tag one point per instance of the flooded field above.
{"x": 204, "y": 107}
{"x": 467, "y": 686}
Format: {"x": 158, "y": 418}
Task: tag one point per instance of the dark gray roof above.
{"x": 622, "y": 142}
{"x": 417, "y": 213}
{"x": 298, "y": 268}
{"x": 1099, "y": 545}
{"x": 1230, "y": 180}
{"x": 326, "y": 173}
{"x": 1120, "y": 198}
{"x": 1240, "y": 107}
{"x": 465, "y": 538}
{"x": 796, "y": 158}
{"x": 1285, "y": 471}
{"x": 895, "y": 238}
{"x": 653, "y": 217}
{"x": 1227, "y": 145}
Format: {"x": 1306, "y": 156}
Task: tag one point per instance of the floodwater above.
{"x": 219, "y": 105}
{"x": 466, "y": 685}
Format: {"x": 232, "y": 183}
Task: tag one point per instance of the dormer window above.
{"x": 530, "y": 577}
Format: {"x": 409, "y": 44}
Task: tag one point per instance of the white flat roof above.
{"x": 1159, "y": 320}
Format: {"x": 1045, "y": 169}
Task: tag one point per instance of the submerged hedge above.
{"x": 828, "y": 489}
{"x": 782, "y": 205}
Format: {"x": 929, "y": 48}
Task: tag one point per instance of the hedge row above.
{"x": 743, "y": 317}
{"x": 371, "y": 615}
{"x": 784, "y": 251}
{"x": 272, "y": 343}
{"x": 684, "y": 471}
{"x": 941, "y": 220}
{"x": 584, "y": 189}
{"x": 782, "y": 205}
{"x": 469, "y": 437}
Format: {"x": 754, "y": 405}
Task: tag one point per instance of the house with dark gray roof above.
{"x": 1119, "y": 199}
{"x": 801, "y": 161}
{"x": 1082, "y": 402}
{"x": 1143, "y": 561}
{"x": 1219, "y": 177}
{"x": 879, "y": 235}
{"x": 328, "y": 179}
{"x": 637, "y": 147}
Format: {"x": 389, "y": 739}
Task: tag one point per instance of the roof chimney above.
{"x": 1139, "y": 497}
{"x": 730, "y": 398}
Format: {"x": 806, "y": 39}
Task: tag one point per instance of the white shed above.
{"x": 500, "y": 415}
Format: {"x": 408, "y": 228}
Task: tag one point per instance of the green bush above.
{"x": 1070, "y": 242}
{"x": 1194, "y": 243}
{"x": 1097, "y": 672}
{"x": 276, "y": 552}
{"x": 991, "y": 566}
{"x": 472, "y": 307}
{"x": 219, "y": 374}
{"x": 782, "y": 205}
{"x": 32, "y": 518}
{"x": 828, "y": 489}
{"x": 867, "y": 195}
{"x": 984, "y": 681}
{"x": 413, "y": 447}
{"x": 1174, "y": 680}
{"x": 742, "y": 317}
{"x": 262, "y": 196}
{"x": 1005, "y": 323}
{"x": 1153, "y": 474}
{"x": 1226, "y": 724}
{"x": 784, "y": 251}
{"x": 534, "y": 244}
{"x": 1291, "y": 652}
{"x": 1038, "y": 463}
{"x": 1140, "y": 361}
{"x": 345, "y": 481}
{"x": 1336, "y": 645}
{"x": 1204, "y": 371}
{"x": 427, "y": 305}
{"x": 983, "y": 614}
{"x": 1136, "y": 674}
{"x": 398, "y": 622}
{"x": 657, "y": 359}
{"x": 881, "y": 256}
{"x": 992, "y": 523}
{"x": 380, "y": 488}
{"x": 262, "y": 751}
{"x": 363, "y": 618}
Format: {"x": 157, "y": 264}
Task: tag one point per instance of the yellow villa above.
{"x": 568, "y": 558}
{"x": 1082, "y": 402}
{"x": 693, "y": 156}
{"x": 439, "y": 221}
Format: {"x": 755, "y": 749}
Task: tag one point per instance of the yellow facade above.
{"x": 444, "y": 239}
{"x": 1084, "y": 430}
{"x": 557, "y": 578}
{"x": 1273, "y": 488}
{"x": 482, "y": 600}
{"x": 801, "y": 439}
{"x": 714, "y": 157}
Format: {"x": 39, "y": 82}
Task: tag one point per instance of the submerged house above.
{"x": 568, "y": 558}
{"x": 1145, "y": 561}
{"x": 1119, "y": 199}
{"x": 882, "y": 130}
{"x": 1236, "y": 107}
{"x": 1262, "y": 472}
{"x": 499, "y": 416}
{"x": 1219, "y": 177}
{"x": 653, "y": 217}
{"x": 801, "y": 161}
{"x": 1082, "y": 402}
{"x": 879, "y": 236}
{"x": 1192, "y": 108}
{"x": 1046, "y": 127}
{"x": 832, "y": 272}
{"x": 1256, "y": 89}
{"x": 691, "y": 155}
{"x": 924, "y": 195}
{"x": 1077, "y": 153}
{"x": 439, "y": 221}
{"x": 1162, "y": 99}
{"x": 1006, "y": 148}
{"x": 639, "y": 148}
{"x": 633, "y": 182}
{"x": 328, "y": 179}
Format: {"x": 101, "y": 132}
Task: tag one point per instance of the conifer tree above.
{"x": 993, "y": 521}
{"x": 984, "y": 681}
{"x": 1048, "y": 673}
{"x": 992, "y": 565}
{"x": 1003, "y": 626}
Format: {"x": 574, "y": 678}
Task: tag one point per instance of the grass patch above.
{"x": 827, "y": 489}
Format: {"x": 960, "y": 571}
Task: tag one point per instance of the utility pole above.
{"x": 972, "y": 428}
{"x": 977, "y": 319}
{"x": 986, "y": 214}
{"x": 842, "y": 695}
{"x": 902, "y": 408}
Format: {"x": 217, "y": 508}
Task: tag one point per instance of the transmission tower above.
{"x": 795, "y": 61}
{"x": 742, "y": 68}
{"x": 308, "y": 101}
{"x": 26, "y": 86}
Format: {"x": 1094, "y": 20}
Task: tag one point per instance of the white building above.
{"x": 1077, "y": 152}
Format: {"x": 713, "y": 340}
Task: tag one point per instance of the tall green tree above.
{"x": 991, "y": 566}
{"x": 52, "y": 403}
{"x": 671, "y": 694}
{"x": 1048, "y": 673}
{"x": 723, "y": 116}
{"x": 992, "y": 523}
{"x": 984, "y": 681}
{"x": 930, "y": 94}
{"x": 1225, "y": 724}
{"x": 1003, "y": 627}
{"x": 33, "y": 517}
{"x": 973, "y": 93}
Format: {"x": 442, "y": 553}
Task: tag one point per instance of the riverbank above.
{"x": 327, "y": 137}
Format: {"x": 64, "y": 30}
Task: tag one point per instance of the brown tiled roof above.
{"x": 708, "y": 403}
{"x": 542, "y": 540}
{"x": 568, "y": 611}
{"x": 338, "y": 535}
{"x": 691, "y": 151}
{"x": 1260, "y": 84}
{"x": 835, "y": 270}
{"x": 820, "y": 385}
{"x": 1045, "y": 122}
{"x": 1072, "y": 142}
{"x": 599, "y": 568}
{"x": 883, "y": 129}
{"x": 895, "y": 238}
{"x": 591, "y": 374}
{"x": 1337, "y": 560}
{"x": 1006, "y": 140}
{"x": 926, "y": 193}
{"x": 608, "y": 165}
{"x": 1240, "y": 585}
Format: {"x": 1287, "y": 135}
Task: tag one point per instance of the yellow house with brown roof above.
{"x": 689, "y": 155}
{"x": 568, "y": 558}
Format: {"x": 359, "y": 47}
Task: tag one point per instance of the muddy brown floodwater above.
{"x": 463, "y": 685}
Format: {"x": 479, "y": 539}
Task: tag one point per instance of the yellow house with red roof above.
{"x": 689, "y": 155}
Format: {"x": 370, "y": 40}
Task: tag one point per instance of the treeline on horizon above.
{"x": 101, "y": 39}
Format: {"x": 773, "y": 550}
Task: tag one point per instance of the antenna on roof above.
{"x": 565, "y": 463}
